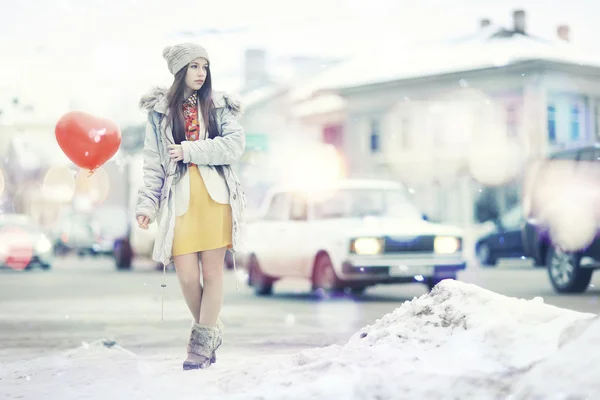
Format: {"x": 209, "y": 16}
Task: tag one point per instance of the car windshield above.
{"x": 358, "y": 203}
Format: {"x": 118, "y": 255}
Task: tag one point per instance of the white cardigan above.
{"x": 215, "y": 183}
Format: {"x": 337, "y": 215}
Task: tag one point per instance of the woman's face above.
{"x": 196, "y": 73}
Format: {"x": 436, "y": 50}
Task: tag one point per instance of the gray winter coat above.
{"x": 155, "y": 197}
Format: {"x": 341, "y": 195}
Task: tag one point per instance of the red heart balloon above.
{"x": 87, "y": 140}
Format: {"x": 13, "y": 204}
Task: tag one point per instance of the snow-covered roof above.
{"x": 286, "y": 76}
{"x": 326, "y": 103}
{"x": 341, "y": 184}
{"x": 261, "y": 94}
{"x": 492, "y": 47}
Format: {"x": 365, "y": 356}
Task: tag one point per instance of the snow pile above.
{"x": 571, "y": 373}
{"x": 471, "y": 330}
{"x": 458, "y": 342}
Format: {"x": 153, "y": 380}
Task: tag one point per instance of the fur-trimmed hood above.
{"x": 156, "y": 100}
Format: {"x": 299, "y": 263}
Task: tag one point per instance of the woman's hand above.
{"x": 176, "y": 152}
{"x": 143, "y": 221}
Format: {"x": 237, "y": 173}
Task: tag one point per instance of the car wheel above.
{"x": 123, "y": 254}
{"x": 60, "y": 250}
{"x": 485, "y": 256}
{"x": 565, "y": 273}
{"x": 262, "y": 284}
{"x": 324, "y": 276}
{"x": 123, "y": 262}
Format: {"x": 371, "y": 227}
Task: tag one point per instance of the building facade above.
{"x": 453, "y": 119}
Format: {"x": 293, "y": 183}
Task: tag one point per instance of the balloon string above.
{"x": 91, "y": 172}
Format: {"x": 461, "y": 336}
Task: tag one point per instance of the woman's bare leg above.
{"x": 188, "y": 273}
{"x": 212, "y": 296}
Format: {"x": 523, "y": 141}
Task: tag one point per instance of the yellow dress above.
{"x": 206, "y": 225}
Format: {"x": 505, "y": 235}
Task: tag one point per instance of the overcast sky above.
{"x": 102, "y": 54}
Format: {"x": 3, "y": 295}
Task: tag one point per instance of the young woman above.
{"x": 189, "y": 188}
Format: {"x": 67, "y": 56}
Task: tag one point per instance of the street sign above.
{"x": 257, "y": 142}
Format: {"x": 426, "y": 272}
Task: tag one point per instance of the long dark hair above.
{"x": 175, "y": 98}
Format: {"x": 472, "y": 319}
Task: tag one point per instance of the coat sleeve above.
{"x": 222, "y": 150}
{"x": 153, "y": 175}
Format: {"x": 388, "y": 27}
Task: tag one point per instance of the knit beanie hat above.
{"x": 182, "y": 54}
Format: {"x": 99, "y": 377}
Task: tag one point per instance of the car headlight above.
{"x": 43, "y": 245}
{"x": 446, "y": 244}
{"x": 367, "y": 246}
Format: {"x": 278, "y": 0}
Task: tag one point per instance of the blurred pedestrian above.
{"x": 189, "y": 188}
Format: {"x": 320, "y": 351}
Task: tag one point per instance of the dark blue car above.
{"x": 504, "y": 241}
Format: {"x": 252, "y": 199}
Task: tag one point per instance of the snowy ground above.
{"x": 102, "y": 339}
{"x": 459, "y": 342}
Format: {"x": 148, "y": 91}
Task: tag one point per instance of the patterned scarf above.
{"x": 191, "y": 117}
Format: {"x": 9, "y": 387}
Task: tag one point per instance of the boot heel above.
{"x": 189, "y": 367}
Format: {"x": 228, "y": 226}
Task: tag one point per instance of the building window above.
{"x": 575, "y": 126}
{"x": 552, "y": 124}
{"x": 375, "y": 136}
{"x": 569, "y": 119}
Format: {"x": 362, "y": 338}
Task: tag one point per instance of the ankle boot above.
{"x": 200, "y": 347}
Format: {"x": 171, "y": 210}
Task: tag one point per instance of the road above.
{"x": 86, "y": 300}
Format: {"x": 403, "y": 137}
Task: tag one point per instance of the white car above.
{"x": 351, "y": 235}
{"x": 23, "y": 244}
